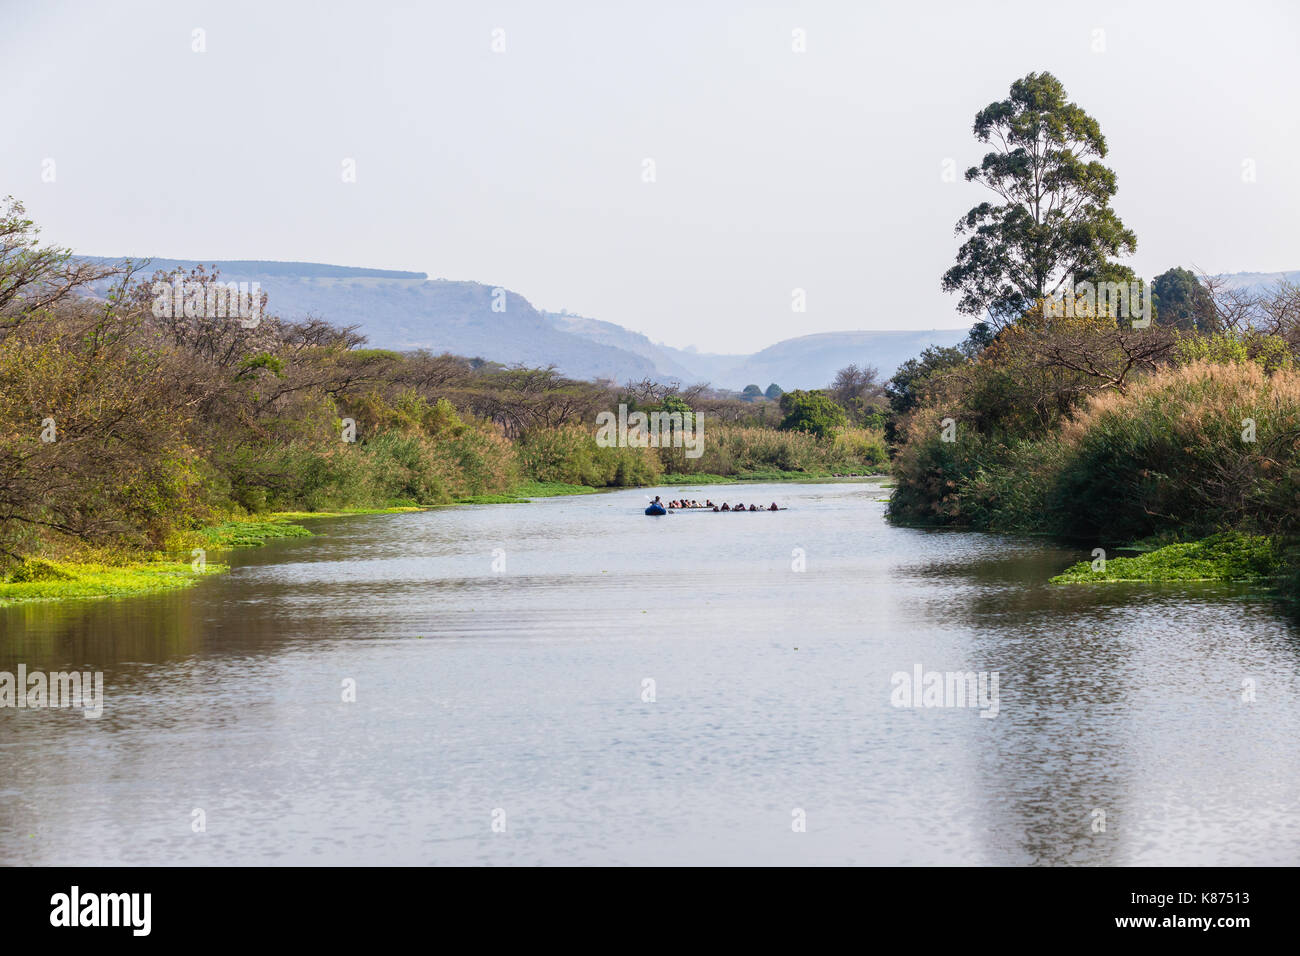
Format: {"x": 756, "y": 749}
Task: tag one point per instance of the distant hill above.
{"x": 1261, "y": 281}
{"x": 615, "y": 336}
{"x": 811, "y": 361}
{"x": 408, "y": 310}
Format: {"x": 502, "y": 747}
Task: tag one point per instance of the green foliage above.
{"x": 1054, "y": 222}
{"x": 1270, "y": 352}
{"x": 570, "y": 455}
{"x": 35, "y": 569}
{"x": 859, "y": 448}
{"x": 1190, "y": 450}
{"x": 1181, "y": 301}
{"x": 551, "y": 489}
{"x": 907, "y": 386}
{"x": 752, "y": 392}
{"x": 250, "y": 534}
{"x": 58, "y": 580}
{"x": 1228, "y": 556}
{"x": 270, "y": 363}
{"x": 744, "y": 451}
{"x": 932, "y": 473}
{"x": 773, "y": 392}
{"x": 813, "y": 412}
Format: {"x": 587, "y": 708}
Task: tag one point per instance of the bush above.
{"x": 1174, "y": 451}
{"x": 1229, "y": 556}
{"x": 740, "y": 450}
{"x": 570, "y": 455}
{"x": 1171, "y": 455}
{"x": 814, "y": 412}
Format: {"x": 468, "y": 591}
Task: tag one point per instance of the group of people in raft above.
{"x": 684, "y": 503}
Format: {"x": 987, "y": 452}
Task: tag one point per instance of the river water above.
{"x": 569, "y": 681}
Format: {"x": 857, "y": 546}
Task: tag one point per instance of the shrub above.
{"x": 570, "y": 455}
{"x": 1175, "y": 452}
{"x": 814, "y": 412}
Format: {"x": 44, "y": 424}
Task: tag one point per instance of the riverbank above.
{"x": 762, "y": 476}
{"x": 39, "y": 580}
{"x": 526, "y": 492}
{"x": 1228, "y": 556}
{"x": 112, "y": 574}
{"x": 1197, "y": 461}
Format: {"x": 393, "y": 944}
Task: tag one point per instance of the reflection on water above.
{"x": 523, "y": 692}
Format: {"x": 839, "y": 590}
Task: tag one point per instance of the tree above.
{"x": 34, "y": 278}
{"x": 1052, "y": 224}
{"x": 979, "y": 338}
{"x": 858, "y": 392}
{"x": 752, "y": 392}
{"x": 1182, "y": 302}
{"x": 774, "y": 391}
{"x": 676, "y": 405}
{"x": 813, "y": 411}
{"x": 903, "y": 390}
{"x": 1067, "y": 358}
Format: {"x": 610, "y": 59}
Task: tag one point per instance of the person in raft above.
{"x": 774, "y": 507}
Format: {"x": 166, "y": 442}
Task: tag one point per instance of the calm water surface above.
{"x": 522, "y": 692}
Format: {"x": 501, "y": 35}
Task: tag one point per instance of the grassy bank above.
{"x": 1229, "y": 556}
{"x": 526, "y": 492}
{"x": 758, "y": 476}
{"x": 252, "y": 534}
{"x": 39, "y": 580}
{"x": 108, "y": 573}
{"x": 120, "y": 574}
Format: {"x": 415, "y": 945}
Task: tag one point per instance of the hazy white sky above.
{"x": 775, "y": 170}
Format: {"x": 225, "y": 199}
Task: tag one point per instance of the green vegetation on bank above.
{"x": 114, "y": 575}
{"x": 251, "y": 534}
{"x": 1086, "y": 405}
{"x": 759, "y": 476}
{"x": 341, "y": 513}
{"x": 38, "y": 580}
{"x": 1228, "y": 556}
{"x": 551, "y": 489}
{"x": 527, "y": 491}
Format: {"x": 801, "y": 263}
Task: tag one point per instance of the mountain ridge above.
{"x": 406, "y": 310}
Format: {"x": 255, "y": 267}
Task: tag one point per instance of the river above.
{"x": 571, "y": 682}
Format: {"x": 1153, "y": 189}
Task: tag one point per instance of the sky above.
{"x": 507, "y": 143}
